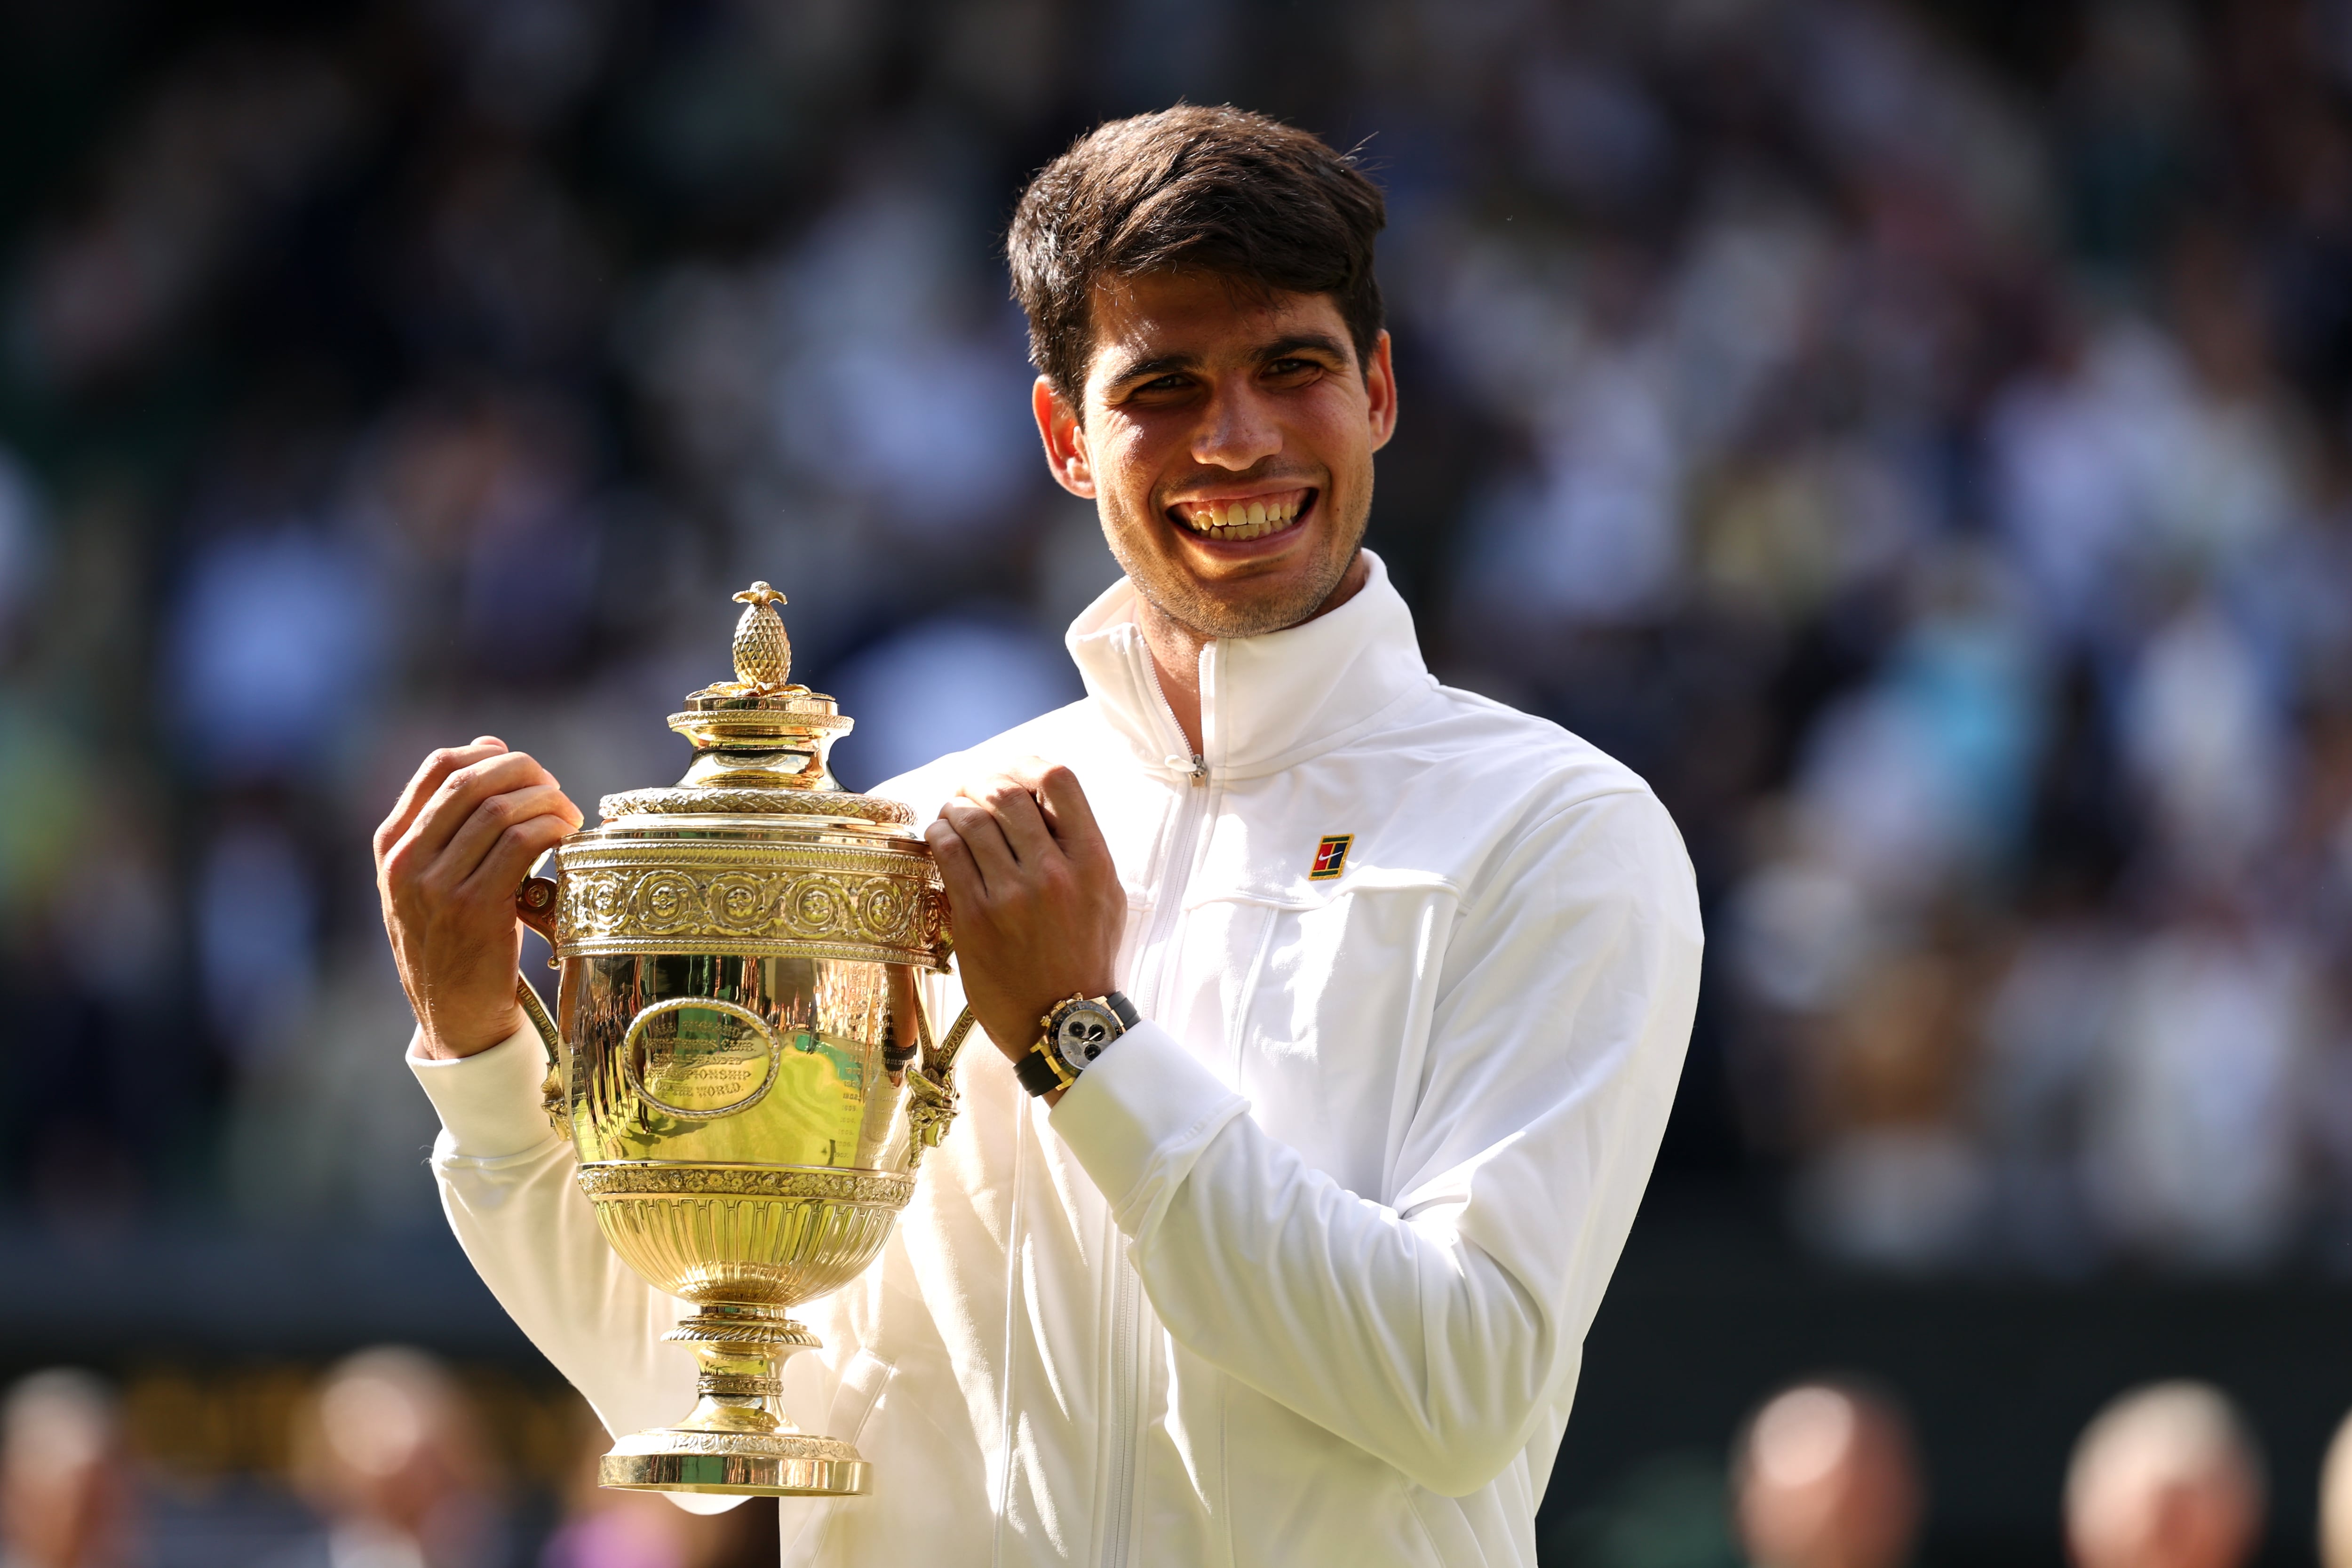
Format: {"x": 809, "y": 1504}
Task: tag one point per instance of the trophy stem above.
{"x": 737, "y": 1439}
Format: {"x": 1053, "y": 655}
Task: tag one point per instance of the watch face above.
{"x": 1080, "y": 1032}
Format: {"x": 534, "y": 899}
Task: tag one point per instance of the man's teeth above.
{"x": 1241, "y": 519}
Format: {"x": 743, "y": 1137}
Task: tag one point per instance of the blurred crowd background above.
{"x": 388, "y": 1458}
{"x": 1916, "y": 436}
{"x": 387, "y": 1461}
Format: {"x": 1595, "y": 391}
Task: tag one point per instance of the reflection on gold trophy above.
{"x": 741, "y": 1030}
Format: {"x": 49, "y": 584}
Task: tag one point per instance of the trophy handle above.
{"x": 535, "y": 907}
{"x": 931, "y": 1083}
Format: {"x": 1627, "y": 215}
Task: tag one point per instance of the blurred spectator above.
{"x": 66, "y": 1496}
{"x": 2076, "y": 447}
{"x": 473, "y": 502}
{"x": 44, "y": 809}
{"x": 1895, "y": 1180}
{"x": 1823, "y": 1476}
{"x": 275, "y": 651}
{"x": 2164, "y": 1476}
{"x": 1593, "y": 532}
{"x": 257, "y": 935}
{"x": 390, "y": 1453}
{"x": 2046, "y": 1029}
{"x": 2335, "y": 1500}
{"x": 896, "y": 378}
{"x": 941, "y": 686}
{"x": 2205, "y": 740}
{"x": 22, "y": 545}
{"x": 2192, "y": 1142}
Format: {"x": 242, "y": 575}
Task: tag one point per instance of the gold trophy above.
{"x": 741, "y": 1026}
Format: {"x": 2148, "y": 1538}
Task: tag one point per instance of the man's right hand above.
{"x": 467, "y": 829}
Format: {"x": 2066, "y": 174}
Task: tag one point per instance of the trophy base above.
{"x": 738, "y": 1442}
{"x": 733, "y": 1464}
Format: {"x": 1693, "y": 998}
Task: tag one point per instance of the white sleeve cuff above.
{"x": 1139, "y": 1118}
{"x": 488, "y": 1102}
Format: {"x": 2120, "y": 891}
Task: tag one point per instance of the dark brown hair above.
{"x": 1218, "y": 189}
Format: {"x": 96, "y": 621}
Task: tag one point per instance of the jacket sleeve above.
{"x": 507, "y": 1184}
{"x": 1434, "y": 1330}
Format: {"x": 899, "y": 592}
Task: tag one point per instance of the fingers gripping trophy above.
{"x": 740, "y": 1053}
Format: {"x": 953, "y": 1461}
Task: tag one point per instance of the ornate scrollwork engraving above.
{"x": 738, "y": 900}
{"x": 665, "y": 902}
{"x": 739, "y": 1386}
{"x": 816, "y": 906}
{"x": 818, "y": 899}
{"x": 675, "y": 801}
{"x": 865, "y": 1188}
{"x": 883, "y": 910}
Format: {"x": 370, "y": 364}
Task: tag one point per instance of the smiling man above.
{"x": 1338, "y": 1013}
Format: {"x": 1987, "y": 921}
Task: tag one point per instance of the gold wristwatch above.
{"x": 1074, "y": 1033}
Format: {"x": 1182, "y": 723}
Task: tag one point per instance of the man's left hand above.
{"x": 1036, "y": 903}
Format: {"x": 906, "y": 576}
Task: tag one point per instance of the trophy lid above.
{"x": 760, "y": 744}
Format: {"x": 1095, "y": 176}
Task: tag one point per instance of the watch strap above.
{"x": 1036, "y": 1074}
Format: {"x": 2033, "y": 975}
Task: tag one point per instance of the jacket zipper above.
{"x": 1196, "y": 766}
{"x": 1127, "y": 1285}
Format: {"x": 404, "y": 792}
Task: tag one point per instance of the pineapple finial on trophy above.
{"x": 763, "y": 654}
{"x": 756, "y": 732}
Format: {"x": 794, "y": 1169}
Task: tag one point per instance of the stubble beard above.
{"x": 1174, "y": 593}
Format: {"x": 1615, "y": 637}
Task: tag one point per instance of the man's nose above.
{"x": 1237, "y": 431}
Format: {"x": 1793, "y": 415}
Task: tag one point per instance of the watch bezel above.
{"x": 1062, "y": 1014}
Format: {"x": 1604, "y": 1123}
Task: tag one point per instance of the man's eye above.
{"x": 1283, "y": 367}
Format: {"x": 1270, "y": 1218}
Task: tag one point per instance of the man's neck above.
{"x": 1176, "y": 656}
{"x": 1176, "y": 648}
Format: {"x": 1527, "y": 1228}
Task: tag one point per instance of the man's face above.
{"x": 1228, "y": 441}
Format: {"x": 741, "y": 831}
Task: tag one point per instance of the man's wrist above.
{"x": 441, "y": 1046}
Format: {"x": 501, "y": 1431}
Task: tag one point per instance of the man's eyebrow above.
{"x": 1321, "y": 341}
{"x": 1159, "y": 365}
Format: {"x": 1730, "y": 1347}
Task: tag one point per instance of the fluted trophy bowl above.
{"x": 740, "y": 1053}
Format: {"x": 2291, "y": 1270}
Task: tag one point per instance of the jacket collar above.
{"x": 1267, "y": 702}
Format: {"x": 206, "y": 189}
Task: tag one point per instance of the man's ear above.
{"x": 1065, "y": 434}
{"x": 1380, "y": 382}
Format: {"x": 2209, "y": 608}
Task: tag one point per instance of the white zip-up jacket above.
{"x": 1300, "y": 1271}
